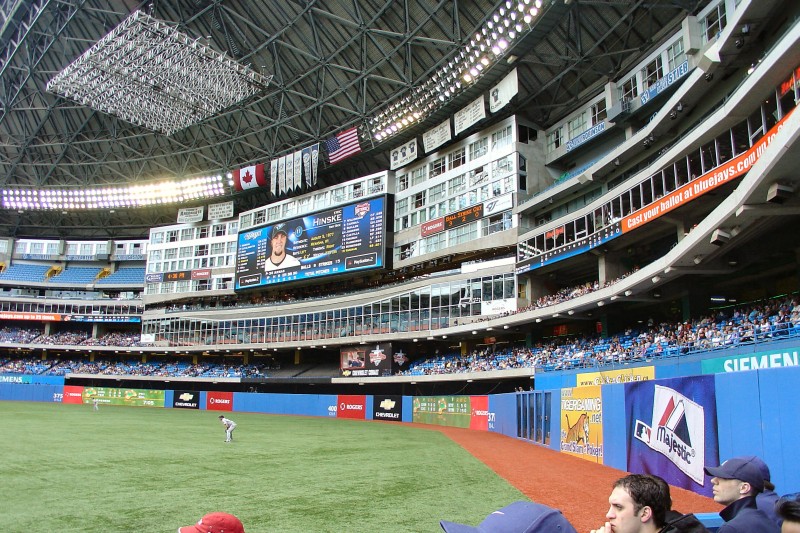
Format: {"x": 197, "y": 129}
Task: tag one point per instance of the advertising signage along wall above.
{"x": 346, "y": 239}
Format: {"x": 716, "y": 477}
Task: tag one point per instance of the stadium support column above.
{"x": 297, "y": 358}
{"x": 536, "y": 288}
{"x": 609, "y": 268}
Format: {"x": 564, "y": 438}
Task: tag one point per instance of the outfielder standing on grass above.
{"x": 230, "y": 425}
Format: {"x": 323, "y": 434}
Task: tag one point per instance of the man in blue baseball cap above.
{"x": 736, "y": 483}
{"x": 519, "y": 517}
{"x": 278, "y": 257}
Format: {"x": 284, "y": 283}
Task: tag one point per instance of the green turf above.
{"x": 68, "y": 468}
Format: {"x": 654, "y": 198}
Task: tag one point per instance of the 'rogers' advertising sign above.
{"x": 219, "y": 401}
{"x": 72, "y": 394}
{"x": 352, "y": 406}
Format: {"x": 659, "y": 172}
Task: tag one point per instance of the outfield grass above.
{"x": 68, "y": 468}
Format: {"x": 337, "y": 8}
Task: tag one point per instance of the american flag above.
{"x": 343, "y": 145}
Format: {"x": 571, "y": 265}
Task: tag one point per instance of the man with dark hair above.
{"x": 788, "y": 509}
{"x": 638, "y": 504}
{"x": 736, "y": 483}
{"x": 279, "y": 257}
{"x": 676, "y": 522}
{"x": 766, "y": 499}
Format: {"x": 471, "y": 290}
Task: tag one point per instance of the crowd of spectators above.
{"x": 156, "y": 368}
{"x": 753, "y": 323}
{"x": 758, "y": 322}
{"x": 13, "y": 335}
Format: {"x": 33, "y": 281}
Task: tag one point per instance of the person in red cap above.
{"x": 215, "y": 523}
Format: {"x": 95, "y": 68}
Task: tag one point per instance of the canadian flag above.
{"x": 249, "y": 177}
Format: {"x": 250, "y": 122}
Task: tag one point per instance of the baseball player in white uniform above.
{"x": 230, "y": 425}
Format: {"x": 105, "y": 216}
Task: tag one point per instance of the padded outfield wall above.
{"x": 671, "y": 427}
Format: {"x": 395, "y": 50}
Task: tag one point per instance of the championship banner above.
{"x": 437, "y": 136}
{"x": 128, "y": 397}
{"x": 672, "y": 430}
{"x": 582, "y": 423}
{"x": 620, "y": 375}
{"x": 298, "y": 170}
{"x": 470, "y": 115}
{"x": 314, "y": 163}
{"x": 273, "y": 177}
{"x": 403, "y": 155}
{"x": 188, "y": 215}
{"x": 281, "y": 175}
{"x": 502, "y": 93}
{"x": 220, "y": 211}
{"x": 305, "y": 158}
{"x": 289, "y": 173}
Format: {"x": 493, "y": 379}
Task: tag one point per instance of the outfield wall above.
{"x": 672, "y": 427}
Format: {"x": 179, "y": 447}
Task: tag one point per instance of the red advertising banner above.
{"x": 431, "y": 227}
{"x": 219, "y": 401}
{"x": 352, "y": 406}
{"x": 72, "y": 394}
{"x": 47, "y": 317}
{"x": 699, "y": 186}
{"x": 201, "y": 273}
{"x": 480, "y": 413}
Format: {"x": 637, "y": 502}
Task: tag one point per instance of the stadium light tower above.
{"x": 147, "y": 72}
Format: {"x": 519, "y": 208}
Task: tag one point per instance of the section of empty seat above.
{"x": 124, "y": 276}
{"x": 25, "y": 272}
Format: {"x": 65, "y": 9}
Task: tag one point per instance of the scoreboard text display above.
{"x": 345, "y": 239}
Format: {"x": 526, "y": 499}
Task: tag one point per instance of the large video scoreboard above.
{"x": 336, "y": 241}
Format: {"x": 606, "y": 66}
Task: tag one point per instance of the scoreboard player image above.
{"x": 279, "y": 258}
{"x": 353, "y": 358}
{"x": 334, "y": 241}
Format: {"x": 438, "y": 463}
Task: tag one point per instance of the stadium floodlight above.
{"x": 492, "y": 40}
{"x": 147, "y": 72}
{"x": 160, "y": 193}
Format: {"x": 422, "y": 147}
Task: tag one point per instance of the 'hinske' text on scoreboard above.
{"x": 336, "y": 241}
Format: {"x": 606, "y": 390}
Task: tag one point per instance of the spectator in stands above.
{"x": 215, "y": 523}
{"x": 788, "y": 509}
{"x": 519, "y": 517}
{"x": 638, "y": 504}
{"x": 736, "y": 483}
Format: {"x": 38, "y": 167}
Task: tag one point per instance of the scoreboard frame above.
{"x": 337, "y": 241}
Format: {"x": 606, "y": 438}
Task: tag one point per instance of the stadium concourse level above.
{"x": 759, "y": 322}
{"x": 559, "y": 296}
{"x": 70, "y": 338}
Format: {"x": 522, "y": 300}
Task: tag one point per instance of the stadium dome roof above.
{"x": 333, "y": 64}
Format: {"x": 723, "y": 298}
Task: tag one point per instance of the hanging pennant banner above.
{"x": 502, "y": 93}
{"x": 470, "y": 115}
{"x": 403, "y": 155}
{"x": 436, "y": 137}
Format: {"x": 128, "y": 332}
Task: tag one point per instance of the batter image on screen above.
{"x": 278, "y": 257}
{"x": 353, "y": 359}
